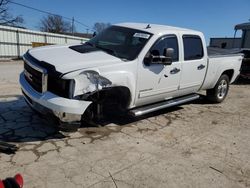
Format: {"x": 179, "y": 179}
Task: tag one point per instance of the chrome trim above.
{"x": 165, "y": 104}
{"x": 41, "y": 70}
{"x": 222, "y": 89}
{"x": 34, "y": 66}
{"x": 44, "y": 81}
{"x": 71, "y": 89}
{"x": 27, "y": 74}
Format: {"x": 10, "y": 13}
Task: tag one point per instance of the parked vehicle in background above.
{"x": 245, "y": 48}
{"x": 236, "y": 45}
{"x": 130, "y": 67}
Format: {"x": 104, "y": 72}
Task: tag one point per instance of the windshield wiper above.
{"x": 90, "y": 44}
{"x": 109, "y": 51}
{"x": 101, "y": 48}
{"x": 112, "y": 52}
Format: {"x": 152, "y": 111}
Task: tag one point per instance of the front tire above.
{"x": 220, "y": 91}
{"x": 89, "y": 118}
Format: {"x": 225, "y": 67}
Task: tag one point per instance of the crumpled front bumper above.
{"x": 49, "y": 104}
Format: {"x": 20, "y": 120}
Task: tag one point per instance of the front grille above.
{"x": 45, "y": 78}
{"x": 35, "y": 76}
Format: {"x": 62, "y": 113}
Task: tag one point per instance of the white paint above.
{"x": 147, "y": 84}
{"x": 52, "y": 101}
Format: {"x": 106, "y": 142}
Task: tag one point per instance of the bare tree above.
{"x": 6, "y": 18}
{"x": 55, "y": 24}
{"x": 99, "y": 26}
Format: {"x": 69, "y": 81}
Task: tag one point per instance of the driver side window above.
{"x": 166, "y": 42}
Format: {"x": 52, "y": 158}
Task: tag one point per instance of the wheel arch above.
{"x": 120, "y": 94}
{"x": 229, "y": 73}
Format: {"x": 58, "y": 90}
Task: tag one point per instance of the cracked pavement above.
{"x": 193, "y": 145}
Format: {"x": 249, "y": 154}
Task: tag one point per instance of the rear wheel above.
{"x": 219, "y": 92}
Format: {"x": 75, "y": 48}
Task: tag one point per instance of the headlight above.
{"x": 90, "y": 81}
{"x": 61, "y": 87}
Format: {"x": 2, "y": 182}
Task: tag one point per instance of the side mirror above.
{"x": 168, "y": 53}
{"x": 166, "y": 59}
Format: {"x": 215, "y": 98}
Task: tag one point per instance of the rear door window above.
{"x": 193, "y": 48}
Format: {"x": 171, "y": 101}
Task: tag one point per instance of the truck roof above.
{"x": 154, "y": 28}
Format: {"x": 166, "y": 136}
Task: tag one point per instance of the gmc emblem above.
{"x": 28, "y": 75}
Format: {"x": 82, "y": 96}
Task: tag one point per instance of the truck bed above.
{"x": 215, "y": 52}
{"x": 218, "y": 61}
{"x": 219, "y": 52}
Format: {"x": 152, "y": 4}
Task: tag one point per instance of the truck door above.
{"x": 157, "y": 82}
{"x": 194, "y": 64}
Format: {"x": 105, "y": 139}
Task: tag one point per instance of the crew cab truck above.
{"x": 130, "y": 67}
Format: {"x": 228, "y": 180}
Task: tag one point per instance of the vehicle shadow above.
{"x": 127, "y": 119}
{"x": 202, "y": 100}
{"x": 242, "y": 81}
{"x": 18, "y": 123}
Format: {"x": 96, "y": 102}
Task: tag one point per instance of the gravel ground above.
{"x": 193, "y": 145}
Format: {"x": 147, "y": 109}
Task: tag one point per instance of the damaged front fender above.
{"x": 111, "y": 85}
{"x": 90, "y": 81}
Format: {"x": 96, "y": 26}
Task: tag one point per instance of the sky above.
{"x": 215, "y": 18}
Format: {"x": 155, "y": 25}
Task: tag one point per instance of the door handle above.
{"x": 201, "y": 66}
{"x": 174, "y": 71}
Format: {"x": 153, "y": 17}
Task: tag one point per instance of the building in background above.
{"x": 225, "y": 43}
{"x": 14, "y": 42}
{"x": 229, "y": 43}
{"x": 238, "y": 45}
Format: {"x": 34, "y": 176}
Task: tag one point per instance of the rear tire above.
{"x": 220, "y": 91}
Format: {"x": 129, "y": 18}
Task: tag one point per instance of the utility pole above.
{"x": 87, "y": 31}
{"x": 73, "y": 22}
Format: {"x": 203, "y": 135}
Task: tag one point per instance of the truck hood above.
{"x": 67, "y": 58}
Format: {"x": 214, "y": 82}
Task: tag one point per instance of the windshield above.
{"x": 121, "y": 42}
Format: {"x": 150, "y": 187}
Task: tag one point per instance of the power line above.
{"x": 49, "y": 13}
{"x": 83, "y": 25}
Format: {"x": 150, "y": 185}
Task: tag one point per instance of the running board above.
{"x": 165, "y": 104}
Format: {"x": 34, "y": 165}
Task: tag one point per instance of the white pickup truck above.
{"x": 129, "y": 67}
